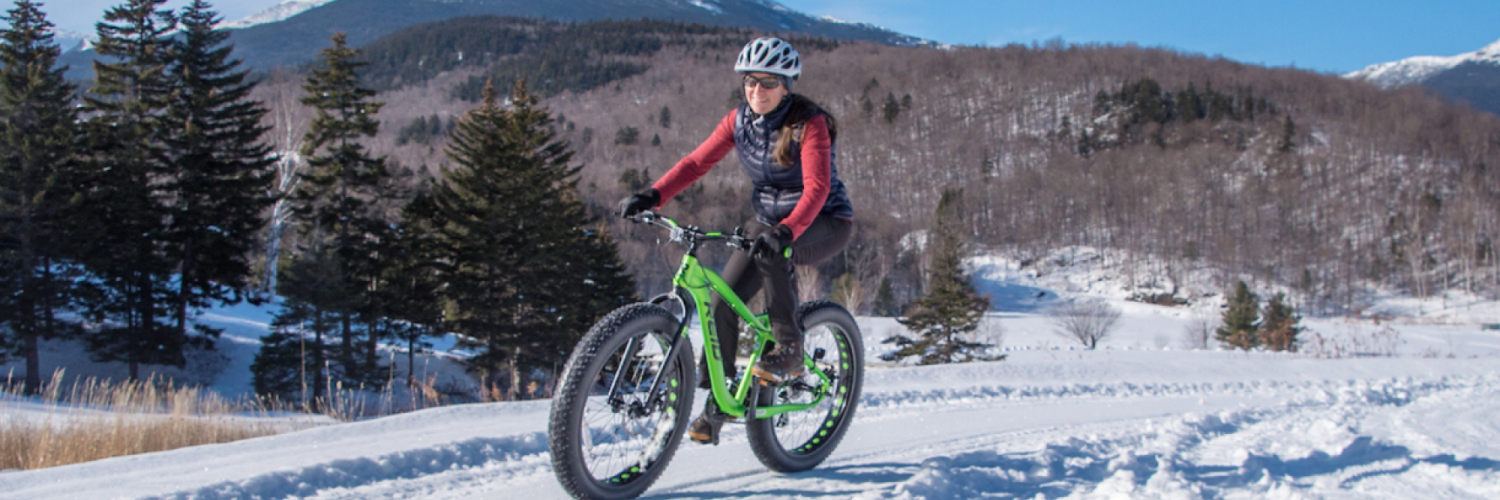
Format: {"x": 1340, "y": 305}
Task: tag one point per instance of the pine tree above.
{"x": 1288, "y": 143}
{"x": 38, "y": 139}
{"x": 885, "y": 300}
{"x": 952, "y": 307}
{"x": 294, "y": 362}
{"x": 219, "y": 172}
{"x": 1279, "y": 330}
{"x": 341, "y": 194}
{"x": 891, "y": 109}
{"x": 408, "y": 300}
{"x": 1240, "y": 327}
{"x": 126, "y": 133}
{"x": 525, "y": 270}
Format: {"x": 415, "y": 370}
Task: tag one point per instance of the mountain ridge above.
{"x": 1413, "y": 70}
{"x": 1471, "y": 77}
{"x": 282, "y": 37}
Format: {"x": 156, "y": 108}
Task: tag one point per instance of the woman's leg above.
{"x": 825, "y": 237}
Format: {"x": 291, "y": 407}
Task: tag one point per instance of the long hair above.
{"x": 799, "y": 110}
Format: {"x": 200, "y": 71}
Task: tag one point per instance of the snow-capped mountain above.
{"x": 1472, "y": 78}
{"x": 280, "y": 12}
{"x": 1414, "y": 70}
{"x": 71, "y": 41}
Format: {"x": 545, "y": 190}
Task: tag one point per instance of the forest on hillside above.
{"x": 1297, "y": 180}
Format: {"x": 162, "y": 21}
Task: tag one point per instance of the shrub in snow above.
{"x": 1087, "y": 321}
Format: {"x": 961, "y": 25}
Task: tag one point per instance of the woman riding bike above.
{"x": 785, "y": 143}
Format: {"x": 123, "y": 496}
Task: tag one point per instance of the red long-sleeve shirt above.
{"x": 817, "y": 148}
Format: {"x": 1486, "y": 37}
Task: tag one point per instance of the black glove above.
{"x": 640, "y": 202}
{"x": 773, "y": 244}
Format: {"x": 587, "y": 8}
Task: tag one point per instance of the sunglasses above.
{"x": 765, "y": 83}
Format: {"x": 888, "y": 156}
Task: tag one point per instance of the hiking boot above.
{"x": 783, "y": 362}
{"x": 705, "y": 430}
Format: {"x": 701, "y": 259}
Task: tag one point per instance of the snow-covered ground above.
{"x": 1143, "y": 417}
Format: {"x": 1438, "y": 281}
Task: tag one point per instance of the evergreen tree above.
{"x": 128, "y": 104}
{"x": 1279, "y": 330}
{"x": 525, "y": 271}
{"x": 1240, "y": 319}
{"x": 885, "y": 300}
{"x": 341, "y": 194}
{"x": 294, "y": 362}
{"x": 891, "y": 109}
{"x": 1287, "y": 143}
{"x": 627, "y": 136}
{"x": 664, "y": 118}
{"x": 952, "y": 307}
{"x": 408, "y": 300}
{"x": 219, "y": 172}
{"x": 37, "y": 143}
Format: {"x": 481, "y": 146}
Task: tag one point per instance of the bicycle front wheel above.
{"x": 608, "y": 439}
{"x": 798, "y": 441}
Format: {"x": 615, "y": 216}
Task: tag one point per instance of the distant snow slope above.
{"x": 1416, "y": 69}
{"x": 70, "y": 41}
{"x": 281, "y": 12}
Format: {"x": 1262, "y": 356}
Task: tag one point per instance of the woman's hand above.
{"x": 773, "y": 244}
{"x": 640, "y": 202}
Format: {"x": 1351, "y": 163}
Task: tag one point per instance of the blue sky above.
{"x": 1323, "y": 35}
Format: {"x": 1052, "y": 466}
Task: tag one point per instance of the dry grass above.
{"x": 94, "y": 419}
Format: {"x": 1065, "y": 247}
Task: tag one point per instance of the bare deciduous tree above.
{"x": 1197, "y": 332}
{"x": 1087, "y": 321}
{"x": 289, "y": 123}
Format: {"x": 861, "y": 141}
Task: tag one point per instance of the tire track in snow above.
{"x": 1229, "y": 454}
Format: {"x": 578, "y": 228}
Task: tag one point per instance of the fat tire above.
{"x": 797, "y": 457}
{"x": 565, "y": 424}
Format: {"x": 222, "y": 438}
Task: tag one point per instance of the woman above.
{"x": 803, "y": 216}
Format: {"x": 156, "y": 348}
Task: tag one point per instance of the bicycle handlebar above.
{"x": 691, "y": 234}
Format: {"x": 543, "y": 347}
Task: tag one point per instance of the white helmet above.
{"x": 769, "y": 55}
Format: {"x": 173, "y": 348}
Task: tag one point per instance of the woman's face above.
{"x": 762, "y": 100}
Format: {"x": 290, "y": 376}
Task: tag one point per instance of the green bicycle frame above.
{"x": 700, "y": 284}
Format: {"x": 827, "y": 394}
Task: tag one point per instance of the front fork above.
{"x": 730, "y": 404}
{"x": 679, "y": 339}
{"x": 740, "y": 403}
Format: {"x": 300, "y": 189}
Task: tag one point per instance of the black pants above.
{"x": 825, "y": 237}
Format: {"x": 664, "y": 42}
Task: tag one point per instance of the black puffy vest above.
{"x": 779, "y": 188}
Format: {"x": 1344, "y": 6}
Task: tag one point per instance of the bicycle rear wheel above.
{"x": 608, "y": 441}
{"x": 801, "y": 440}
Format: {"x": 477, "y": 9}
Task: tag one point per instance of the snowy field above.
{"x": 1410, "y": 410}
